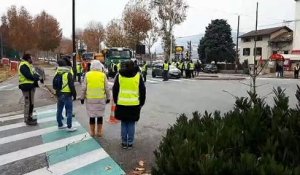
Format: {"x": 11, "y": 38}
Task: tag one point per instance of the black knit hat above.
{"x": 26, "y": 57}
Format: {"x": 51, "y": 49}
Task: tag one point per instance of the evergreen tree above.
{"x": 217, "y": 44}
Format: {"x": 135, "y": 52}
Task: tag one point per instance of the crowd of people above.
{"x": 128, "y": 93}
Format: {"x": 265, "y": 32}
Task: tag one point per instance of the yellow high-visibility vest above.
{"x": 95, "y": 85}
{"x": 65, "y": 83}
{"x": 166, "y": 66}
{"x": 129, "y": 91}
{"x": 22, "y": 78}
{"x": 144, "y": 68}
{"x": 180, "y": 66}
{"x": 192, "y": 66}
{"x": 118, "y": 66}
{"x": 79, "y": 68}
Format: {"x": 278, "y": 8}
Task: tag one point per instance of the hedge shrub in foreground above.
{"x": 253, "y": 138}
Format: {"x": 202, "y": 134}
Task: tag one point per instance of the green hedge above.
{"x": 253, "y": 138}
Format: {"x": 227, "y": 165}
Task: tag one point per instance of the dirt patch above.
{"x": 5, "y": 73}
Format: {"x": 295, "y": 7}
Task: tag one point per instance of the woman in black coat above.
{"x": 128, "y": 114}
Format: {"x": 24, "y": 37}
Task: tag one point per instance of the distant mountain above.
{"x": 182, "y": 41}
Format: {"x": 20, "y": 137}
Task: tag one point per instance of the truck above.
{"x": 116, "y": 55}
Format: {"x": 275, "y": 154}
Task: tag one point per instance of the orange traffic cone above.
{"x": 112, "y": 119}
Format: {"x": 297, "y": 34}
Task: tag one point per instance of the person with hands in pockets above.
{"x": 97, "y": 94}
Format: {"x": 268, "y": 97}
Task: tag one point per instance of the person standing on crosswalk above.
{"x": 28, "y": 81}
{"x": 129, "y": 94}
{"x": 65, "y": 94}
{"x": 97, "y": 94}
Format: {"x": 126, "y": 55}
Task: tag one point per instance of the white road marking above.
{"x": 31, "y": 134}
{"x": 72, "y": 164}
{"x": 39, "y": 149}
{"x": 3, "y": 119}
{"x": 21, "y": 124}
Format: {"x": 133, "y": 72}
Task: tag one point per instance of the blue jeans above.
{"x": 127, "y": 132}
{"x": 64, "y": 101}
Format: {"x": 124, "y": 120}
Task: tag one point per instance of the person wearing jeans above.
{"x": 64, "y": 101}
{"x": 64, "y": 96}
{"x": 129, "y": 94}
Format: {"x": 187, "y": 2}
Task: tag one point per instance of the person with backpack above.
{"x": 96, "y": 93}
{"x": 63, "y": 84}
{"x": 28, "y": 81}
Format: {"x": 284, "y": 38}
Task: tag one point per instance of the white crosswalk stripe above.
{"x": 30, "y": 134}
{"x": 71, "y": 164}
{"x": 22, "y": 124}
{"x": 52, "y": 150}
{"x": 32, "y": 151}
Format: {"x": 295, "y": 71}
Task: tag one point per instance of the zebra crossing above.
{"x": 44, "y": 149}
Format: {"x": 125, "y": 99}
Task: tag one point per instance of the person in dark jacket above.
{"x": 64, "y": 96}
{"x": 28, "y": 81}
{"x": 129, "y": 95}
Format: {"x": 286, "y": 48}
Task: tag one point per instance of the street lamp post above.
{"x": 73, "y": 39}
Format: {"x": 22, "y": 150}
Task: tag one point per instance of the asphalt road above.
{"x": 165, "y": 102}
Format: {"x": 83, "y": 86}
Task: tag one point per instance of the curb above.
{"x": 217, "y": 78}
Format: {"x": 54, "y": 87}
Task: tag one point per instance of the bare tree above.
{"x": 65, "y": 46}
{"x": 137, "y": 22}
{"x": 115, "y": 34}
{"x": 151, "y": 37}
{"x": 169, "y": 13}
{"x": 93, "y": 35}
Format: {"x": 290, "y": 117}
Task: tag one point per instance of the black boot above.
{"x": 31, "y": 122}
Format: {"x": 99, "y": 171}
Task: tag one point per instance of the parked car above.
{"x": 211, "y": 68}
{"x": 157, "y": 71}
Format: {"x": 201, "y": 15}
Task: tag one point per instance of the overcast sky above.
{"x": 201, "y": 12}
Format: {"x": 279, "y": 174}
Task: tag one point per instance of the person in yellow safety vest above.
{"x": 187, "y": 69}
{"x": 119, "y": 66}
{"x": 129, "y": 94}
{"x": 181, "y": 67}
{"x": 192, "y": 69}
{"x": 96, "y": 92}
{"x": 28, "y": 81}
{"x": 79, "y": 71}
{"x": 166, "y": 68}
{"x": 64, "y": 95}
{"x": 144, "y": 71}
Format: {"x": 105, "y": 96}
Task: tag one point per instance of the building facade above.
{"x": 296, "y": 46}
{"x": 268, "y": 41}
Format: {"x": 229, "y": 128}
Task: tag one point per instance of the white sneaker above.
{"x": 64, "y": 126}
{"x": 71, "y": 129}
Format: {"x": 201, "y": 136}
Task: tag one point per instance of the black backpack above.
{"x": 58, "y": 82}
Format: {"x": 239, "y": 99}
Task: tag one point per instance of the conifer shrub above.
{"x": 253, "y": 138}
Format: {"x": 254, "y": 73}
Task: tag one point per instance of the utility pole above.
{"x": 237, "y": 45}
{"x": 171, "y": 46}
{"x": 1, "y": 43}
{"x": 255, "y": 54}
{"x": 73, "y": 38}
